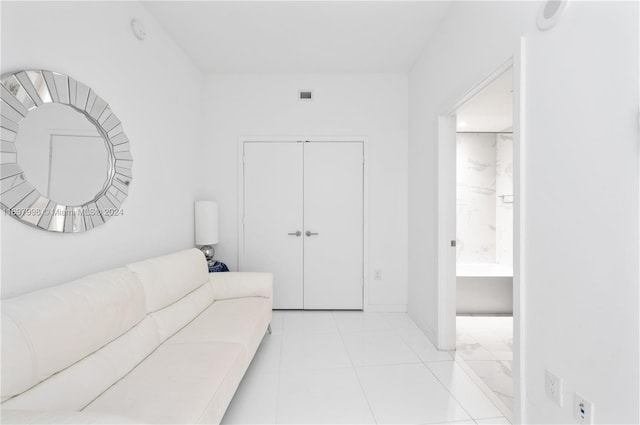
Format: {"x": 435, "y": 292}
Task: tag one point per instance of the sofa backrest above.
{"x": 63, "y": 346}
{"x": 175, "y": 288}
{"x": 49, "y": 330}
{"x": 168, "y": 278}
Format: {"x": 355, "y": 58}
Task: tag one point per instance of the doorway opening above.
{"x": 484, "y": 237}
{"x": 449, "y": 124}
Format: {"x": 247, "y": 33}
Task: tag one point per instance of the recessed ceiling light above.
{"x": 550, "y": 13}
{"x": 462, "y": 124}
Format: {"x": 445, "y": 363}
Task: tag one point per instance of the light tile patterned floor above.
{"x": 355, "y": 367}
{"x": 485, "y": 343}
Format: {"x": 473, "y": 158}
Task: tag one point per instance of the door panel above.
{"x": 273, "y": 208}
{"x": 333, "y": 208}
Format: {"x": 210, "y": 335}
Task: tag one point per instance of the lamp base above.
{"x": 208, "y": 252}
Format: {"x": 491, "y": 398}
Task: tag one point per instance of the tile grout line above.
{"x": 434, "y": 375}
{"x": 488, "y": 419}
{"x": 449, "y": 391}
{"x": 397, "y": 332}
{"x": 426, "y": 363}
{"x": 488, "y": 392}
{"x": 355, "y": 370}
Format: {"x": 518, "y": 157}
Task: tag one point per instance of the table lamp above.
{"x": 207, "y": 228}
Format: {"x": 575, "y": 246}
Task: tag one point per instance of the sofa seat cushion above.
{"x": 239, "y": 320}
{"x": 178, "y": 383}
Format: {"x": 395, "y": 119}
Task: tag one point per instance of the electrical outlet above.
{"x": 377, "y": 274}
{"x": 582, "y": 409}
{"x": 553, "y": 387}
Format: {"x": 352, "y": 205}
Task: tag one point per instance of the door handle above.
{"x": 297, "y": 233}
{"x": 308, "y": 233}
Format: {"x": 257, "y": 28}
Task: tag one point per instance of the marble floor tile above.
{"x": 309, "y": 322}
{"x": 473, "y": 351}
{"x": 408, "y": 393}
{"x": 493, "y": 421}
{"x": 465, "y": 391}
{"x": 400, "y": 321}
{"x": 485, "y": 343}
{"x": 268, "y": 355}
{"x": 497, "y": 376}
{"x": 502, "y": 355}
{"x": 322, "y": 397}
{"x": 255, "y": 401}
{"x": 356, "y": 321}
{"x": 378, "y": 348}
{"x": 498, "y": 343}
{"x": 313, "y": 351}
{"x": 417, "y": 341}
{"x": 354, "y": 367}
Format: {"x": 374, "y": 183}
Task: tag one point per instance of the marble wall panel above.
{"x": 476, "y": 198}
{"x": 504, "y": 199}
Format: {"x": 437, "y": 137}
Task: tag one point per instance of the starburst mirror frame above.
{"x": 23, "y": 92}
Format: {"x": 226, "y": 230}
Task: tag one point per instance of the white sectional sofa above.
{"x": 159, "y": 341}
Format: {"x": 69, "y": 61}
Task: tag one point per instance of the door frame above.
{"x": 446, "y": 222}
{"x": 242, "y": 140}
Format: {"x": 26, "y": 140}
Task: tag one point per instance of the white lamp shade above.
{"x": 206, "y": 223}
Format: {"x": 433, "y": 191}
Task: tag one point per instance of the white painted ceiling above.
{"x": 491, "y": 110}
{"x": 300, "y": 36}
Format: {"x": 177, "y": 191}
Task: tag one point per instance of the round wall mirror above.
{"x": 65, "y": 160}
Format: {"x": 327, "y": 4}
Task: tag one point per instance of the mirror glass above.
{"x": 63, "y": 154}
{"x": 65, "y": 164}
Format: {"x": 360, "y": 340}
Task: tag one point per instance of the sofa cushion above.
{"x": 78, "y": 385}
{"x": 168, "y": 278}
{"x": 241, "y": 284}
{"x": 178, "y": 383}
{"x": 48, "y": 330}
{"x": 239, "y": 320}
{"x": 174, "y": 317}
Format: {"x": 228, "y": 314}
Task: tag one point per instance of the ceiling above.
{"x": 300, "y": 36}
{"x": 491, "y": 110}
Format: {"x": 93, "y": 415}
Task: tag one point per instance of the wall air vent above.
{"x": 305, "y": 95}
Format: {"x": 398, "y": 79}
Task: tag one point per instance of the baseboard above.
{"x": 430, "y": 334}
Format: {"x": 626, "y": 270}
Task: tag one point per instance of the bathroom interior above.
{"x": 484, "y": 236}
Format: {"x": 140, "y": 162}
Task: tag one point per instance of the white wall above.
{"x": 581, "y": 188}
{"x": 582, "y": 191}
{"x": 156, "y": 92}
{"x": 374, "y": 106}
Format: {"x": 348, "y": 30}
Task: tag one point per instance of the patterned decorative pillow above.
{"x": 218, "y": 267}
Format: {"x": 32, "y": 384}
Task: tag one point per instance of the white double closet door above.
{"x": 303, "y": 220}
